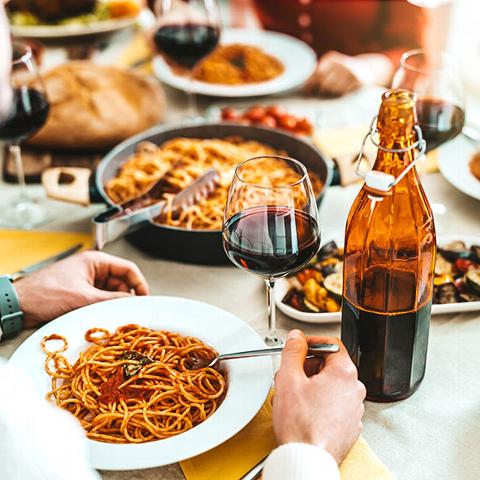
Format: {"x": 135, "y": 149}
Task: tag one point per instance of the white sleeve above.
{"x": 300, "y": 461}
{"x": 38, "y": 441}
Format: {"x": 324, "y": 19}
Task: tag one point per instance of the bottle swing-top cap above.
{"x": 380, "y": 180}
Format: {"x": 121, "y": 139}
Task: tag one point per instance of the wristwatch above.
{"x": 11, "y": 316}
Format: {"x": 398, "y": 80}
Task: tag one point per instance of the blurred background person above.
{"x": 357, "y": 42}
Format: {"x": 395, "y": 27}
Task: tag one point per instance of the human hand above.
{"x": 322, "y": 407}
{"x": 338, "y": 74}
{"x": 80, "y": 280}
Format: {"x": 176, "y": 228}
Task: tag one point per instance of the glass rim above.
{"x": 422, "y": 51}
{"x": 25, "y": 55}
{"x": 277, "y": 157}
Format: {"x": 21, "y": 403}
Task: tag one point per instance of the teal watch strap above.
{"x": 11, "y": 317}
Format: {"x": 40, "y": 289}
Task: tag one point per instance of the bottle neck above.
{"x": 396, "y": 121}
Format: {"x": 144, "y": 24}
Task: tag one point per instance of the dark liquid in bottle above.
{"x": 389, "y": 350}
{"x": 271, "y": 241}
{"x": 440, "y": 121}
{"x": 186, "y": 44}
{"x": 28, "y": 114}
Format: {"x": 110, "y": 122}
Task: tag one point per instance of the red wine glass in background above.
{"x": 187, "y": 31}
{"x": 271, "y": 226}
{"x": 28, "y": 113}
{"x": 440, "y": 104}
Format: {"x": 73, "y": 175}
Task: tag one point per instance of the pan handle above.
{"x": 68, "y": 184}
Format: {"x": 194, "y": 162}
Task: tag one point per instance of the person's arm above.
{"x": 317, "y": 412}
{"x": 79, "y": 280}
{"x": 5, "y": 64}
{"x": 400, "y": 27}
{"x": 38, "y": 441}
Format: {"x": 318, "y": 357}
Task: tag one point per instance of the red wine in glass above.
{"x": 271, "y": 241}
{"x": 28, "y": 114}
{"x": 186, "y": 44}
{"x": 439, "y": 120}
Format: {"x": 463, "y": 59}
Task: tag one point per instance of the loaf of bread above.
{"x": 96, "y": 107}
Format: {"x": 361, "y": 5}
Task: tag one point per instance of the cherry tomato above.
{"x": 462, "y": 265}
{"x": 304, "y": 125}
{"x": 288, "y": 122}
{"x": 228, "y": 113}
{"x": 268, "y": 121}
{"x": 276, "y": 111}
{"x": 255, "y": 113}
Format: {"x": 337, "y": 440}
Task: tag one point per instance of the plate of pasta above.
{"x": 248, "y": 62}
{"x": 123, "y": 368}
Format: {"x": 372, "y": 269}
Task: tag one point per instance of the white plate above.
{"x": 453, "y": 161}
{"x": 282, "y": 286}
{"x": 249, "y": 380}
{"x": 74, "y": 30}
{"x": 297, "y": 57}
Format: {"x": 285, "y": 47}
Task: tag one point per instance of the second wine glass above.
{"x": 440, "y": 110}
{"x": 28, "y": 113}
{"x": 271, "y": 224}
{"x": 187, "y": 31}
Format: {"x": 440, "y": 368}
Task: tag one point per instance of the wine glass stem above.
{"x": 271, "y": 338}
{"x": 16, "y": 153}
{"x": 192, "y": 100}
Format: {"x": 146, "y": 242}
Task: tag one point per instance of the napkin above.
{"x": 137, "y": 54}
{"x": 234, "y": 458}
{"x": 21, "y": 248}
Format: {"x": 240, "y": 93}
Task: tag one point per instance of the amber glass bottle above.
{"x": 389, "y": 263}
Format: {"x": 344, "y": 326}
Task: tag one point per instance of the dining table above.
{"x": 434, "y": 434}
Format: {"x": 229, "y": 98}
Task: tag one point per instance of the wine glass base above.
{"x": 23, "y": 213}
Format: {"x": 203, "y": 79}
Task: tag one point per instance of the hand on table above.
{"x": 80, "y": 280}
{"x": 338, "y": 74}
{"x": 319, "y": 405}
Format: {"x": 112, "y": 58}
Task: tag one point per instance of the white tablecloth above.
{"x": 433, "y": 435}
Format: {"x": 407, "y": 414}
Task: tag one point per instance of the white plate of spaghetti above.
{"x": 122, "y": 368}
{"x": 262, "y": 49}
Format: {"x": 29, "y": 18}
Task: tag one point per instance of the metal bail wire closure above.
{"x": 420, "y": 144}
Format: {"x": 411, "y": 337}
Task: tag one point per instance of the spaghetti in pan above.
{"x": 181, "y": 160}
{"x": 134, "y": 385}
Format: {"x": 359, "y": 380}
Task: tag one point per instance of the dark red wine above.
{"x": 440, "y": 121}
{"x": 186, "y": 44}
{"x": 28, "y": 114}
{"x": 389, "y": 349}
{"x": 271, "y": 241}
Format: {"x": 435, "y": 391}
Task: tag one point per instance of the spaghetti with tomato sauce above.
{"x": 135, "y": 385}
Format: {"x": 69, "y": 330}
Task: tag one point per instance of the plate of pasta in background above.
{"x": 248, "y": 62}
{"x": 175, "y": 156}
{"x": 123, "y": 368}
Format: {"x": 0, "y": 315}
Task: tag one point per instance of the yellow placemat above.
{"x": 235, "y": 457}
{"x": 20, "y": 248}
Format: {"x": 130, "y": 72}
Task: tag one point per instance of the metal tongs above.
{"x": 119, "y": 220}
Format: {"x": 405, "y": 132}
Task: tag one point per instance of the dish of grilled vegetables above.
{"x": 317, "y": 288}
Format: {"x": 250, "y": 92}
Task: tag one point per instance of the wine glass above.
{"x": 187, "y": 31}
{"x": 28, "y": 113}
{"x": 440, "y": 105}
{"x": 271, "y": 225}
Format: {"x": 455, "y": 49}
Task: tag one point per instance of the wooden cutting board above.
{"x": 35, "y": 161}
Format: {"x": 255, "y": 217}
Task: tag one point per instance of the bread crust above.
{"x": 95, "y": 107}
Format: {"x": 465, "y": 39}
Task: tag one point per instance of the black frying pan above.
{"x": 192, "y": 246}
